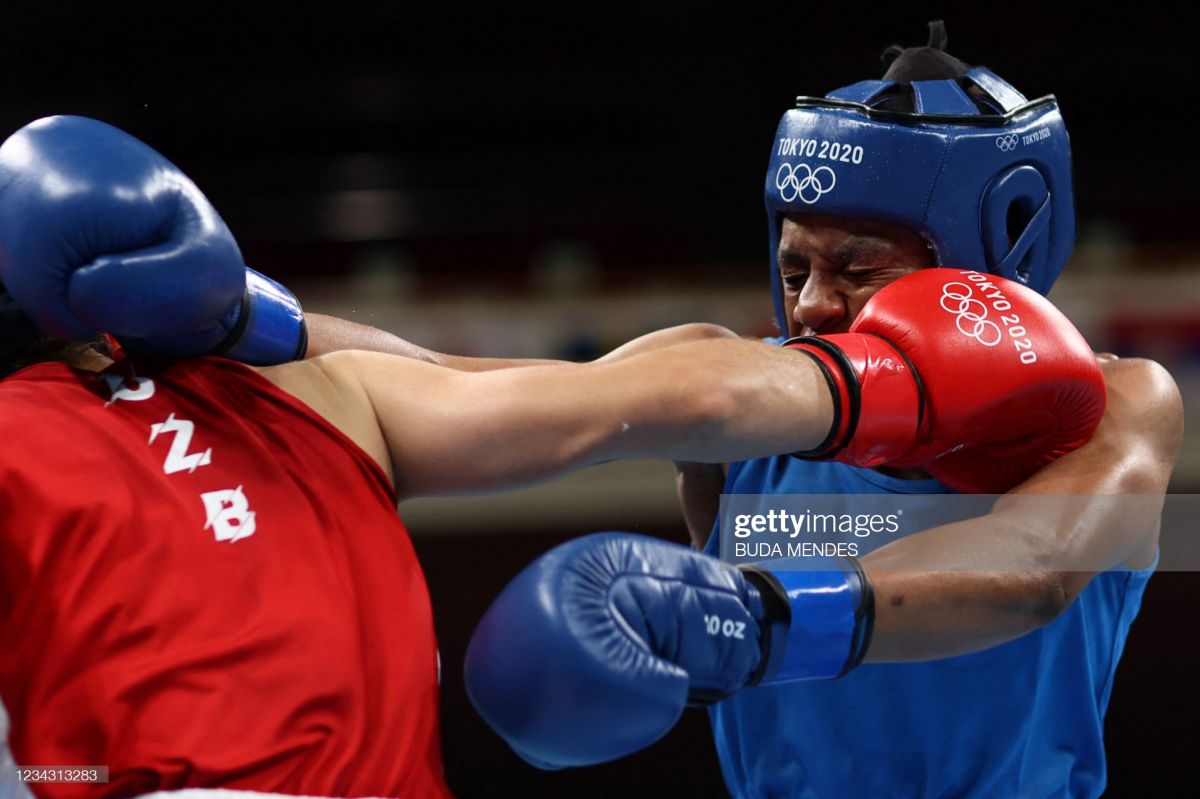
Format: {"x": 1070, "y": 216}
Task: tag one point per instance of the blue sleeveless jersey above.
{"x": 1023, "y": 719}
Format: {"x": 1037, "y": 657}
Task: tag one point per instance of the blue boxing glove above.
{"x": 593, "y": 651}
{"x": 100, "y": 233}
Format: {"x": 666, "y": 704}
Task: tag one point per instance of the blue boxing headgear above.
{"x": 988, "y": 189}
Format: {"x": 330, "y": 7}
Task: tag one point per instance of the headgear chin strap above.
{"x": 989, "y": 191}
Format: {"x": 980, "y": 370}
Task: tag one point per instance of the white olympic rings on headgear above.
{"x": 1007, "y": 143}
{"x": 807, "y": 188}
{"x": 971, "y": 314}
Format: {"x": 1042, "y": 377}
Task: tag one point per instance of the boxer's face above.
{"x": 831, "y": 265}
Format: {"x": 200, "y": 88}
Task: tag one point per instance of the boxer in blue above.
{"x": 995, "y": 639}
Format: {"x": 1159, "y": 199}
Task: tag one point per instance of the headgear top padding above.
{"x": 988, "y": 191}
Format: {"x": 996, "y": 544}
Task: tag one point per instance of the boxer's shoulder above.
{"x": 1116, "y": 368}
{"x": 331, "y": 386}
{"x": 1143, "y": 389}
{"x": 1143, "y": 417}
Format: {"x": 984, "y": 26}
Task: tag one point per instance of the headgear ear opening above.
{"x": 1015, "y": 225}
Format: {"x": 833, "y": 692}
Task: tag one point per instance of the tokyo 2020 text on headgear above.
{"x": 977, "y": 169}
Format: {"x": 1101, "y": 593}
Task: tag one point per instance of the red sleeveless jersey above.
{"x": 205, "y": 584}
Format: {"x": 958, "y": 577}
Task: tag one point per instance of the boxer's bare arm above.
{"x": 445, "y": 431}
{"x": 669, "y": 337}
{"x": 974, "y": 584}
{"x": 327, "y": 334}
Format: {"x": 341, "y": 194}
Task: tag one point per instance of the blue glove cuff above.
{"x": 269, "y": 326}
{"x": 817, "y": 624}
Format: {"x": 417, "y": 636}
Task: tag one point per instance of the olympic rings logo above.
{"x": 971, "y": 314}
{"x": 1007, "y": 143}
{"x": 809, "y": 187}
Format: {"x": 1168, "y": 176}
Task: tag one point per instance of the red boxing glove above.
{"x": 975, "y": 378}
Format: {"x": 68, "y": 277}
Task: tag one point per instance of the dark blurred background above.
{"x": 536, "y": 178}
{"x": 472, "y": 133}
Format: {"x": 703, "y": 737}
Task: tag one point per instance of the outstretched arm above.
{"x": 712, "y": 401}
{"x": 445, "y": 431}
{"x": 328, "y": 334}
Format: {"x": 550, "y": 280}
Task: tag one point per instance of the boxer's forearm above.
{"x": 949, "y": 592}
{"x": 712, "y": 402}
{"x": 971, "y": 585}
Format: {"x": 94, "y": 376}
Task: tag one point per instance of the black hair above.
{"x": 23, "y": 343}
{"x": 931, "y": 62}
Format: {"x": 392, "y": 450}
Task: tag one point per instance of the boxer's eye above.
{"x": 859, "y": 274}
{"x": 794, "y": 281}
{"x": 864, "y": 273}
